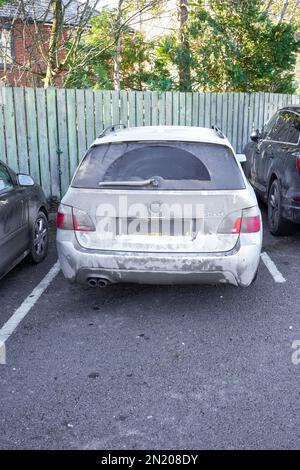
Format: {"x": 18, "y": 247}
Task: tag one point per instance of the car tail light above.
{"x": 298, "y": 164}
{"x": 251, "y": 224}
{"x": 231, "y": 223}
{"x": 69, "y": 218}
{"x": 82, "y": 221}
{"x": 64, "y": 220}
{"x": 246, "y": 221}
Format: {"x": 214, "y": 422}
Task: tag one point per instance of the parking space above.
{"x": 132, "y": 366}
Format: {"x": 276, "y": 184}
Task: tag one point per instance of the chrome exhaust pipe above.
{"x": 92, "y": 282}
{"x": 102, "y": 282}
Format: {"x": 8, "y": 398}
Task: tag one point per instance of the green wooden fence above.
{"x": 46, "y": 132}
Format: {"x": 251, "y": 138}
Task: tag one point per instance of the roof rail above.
{"x": 218, "y": 131}
{"x": 110, "y": 129}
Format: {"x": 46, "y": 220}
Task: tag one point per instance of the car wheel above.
{"x": 39, "y": 239}
{"x": 277, "y": 224}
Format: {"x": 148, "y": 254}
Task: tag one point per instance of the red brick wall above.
{"x": 26, "y": 44}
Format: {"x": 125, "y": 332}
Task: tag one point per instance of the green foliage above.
{"x": 99, "y": 47}
{"x": 238, "y": 48}
{"x": 232, "y": 46}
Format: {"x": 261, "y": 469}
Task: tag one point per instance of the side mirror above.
{"x": 25, "y": 180}
{"x": 241, "y": 157}
{"x": 255, "y": 135}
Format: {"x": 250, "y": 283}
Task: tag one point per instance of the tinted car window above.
{"x": 187, "y": 166}
{"x": 269, "y": 125}
{"x": 5, "y": 179}
{"x": 286, "y": 128}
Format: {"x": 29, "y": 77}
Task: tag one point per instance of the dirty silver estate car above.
{"x": 160, "y": 205}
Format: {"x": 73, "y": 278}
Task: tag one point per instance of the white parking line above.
{"x": 9, "y": 327}
{"x": 2, "y": 353}
{"x": 272, "y": 268}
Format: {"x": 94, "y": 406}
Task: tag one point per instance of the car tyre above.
{"x": 278, "y": 225}
{"x": 39, "y": 239}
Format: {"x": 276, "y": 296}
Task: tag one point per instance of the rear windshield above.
{"x": 174, "y": 165}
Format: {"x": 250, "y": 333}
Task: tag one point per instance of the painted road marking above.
{"x": 9, "y": 327}
{"x": 2, "y": 353}
{"x": 272, "y": 268}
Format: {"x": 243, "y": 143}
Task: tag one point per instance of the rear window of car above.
{"x": 175, "y": 165}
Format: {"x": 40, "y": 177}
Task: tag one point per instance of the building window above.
{"x": 5, "y": 47}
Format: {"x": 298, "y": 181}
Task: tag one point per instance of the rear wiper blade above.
{"x": 138, "y": 183}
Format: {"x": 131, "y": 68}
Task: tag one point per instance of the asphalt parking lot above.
{"x": 137, "y": 367}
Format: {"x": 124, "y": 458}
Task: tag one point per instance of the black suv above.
{"x": 273, "y": 168}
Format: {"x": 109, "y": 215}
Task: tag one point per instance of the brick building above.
{"x": 24, "y": 36}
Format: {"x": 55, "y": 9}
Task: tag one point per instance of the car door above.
{"x": 13, "y": 221}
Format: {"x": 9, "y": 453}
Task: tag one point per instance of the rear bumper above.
{"x": 237, "y": 267}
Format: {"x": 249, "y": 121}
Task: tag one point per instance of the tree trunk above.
{"x": 184, "y": 67}
{"x": 117, "y": 53}
{"x": 54, "y": 39}
{"x": 285, "y": 4}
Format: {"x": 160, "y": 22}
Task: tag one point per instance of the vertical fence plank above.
{"x": 162, "y": 109}
{"x": 169, "y": 108}
{"x": 256, "y": 111}
{"x": 239, "y": 131}
{"x": 219, "y": 109}
{"x": 81, "y": 130}
{"x": 147, "y": 108}
{"x": 175, "y": 110}
{"x": 139, "y": 108}
{"x": 132, "y": 109}
{"x": 21, "y": 131}
{"x": 201, "y": 109}
{"x": 124, "y": 108}
{"x": 229, "y": 131}
{"x": 261, "y": 110}
{"x": 107, "y": 114}
{"x": 154, "y": 108}
{"x": 116, "y": 107}
{"x": 32, "y": 134}
{"x": 63, "y": 141}
{"x": 89, "y": 117}
{"x": 10, "y": 129}
{"x": 2, "y": 136}
{"x": 182, "y": 109}
{"x": 251, "y": 112}
{"x": 72, "y": 134}
{"x": 98, "y": 101}
{"x": 43, "y": 140}
{"x": 207, "y": 113}
{"x": 224, "y": 112}
{"x": 213, "y": 109}
{"x": 268, "y": 107}
{"x": 195, "y": 109}
{"x": 245, "y": 122}
{"x": 188, "y": 109}
{"x": 236, "y": 123}
{"x": 53, "y": 141}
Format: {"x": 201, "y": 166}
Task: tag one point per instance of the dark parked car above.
{"x": 273, "y": 168}
{"x": 23, "y": 220}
